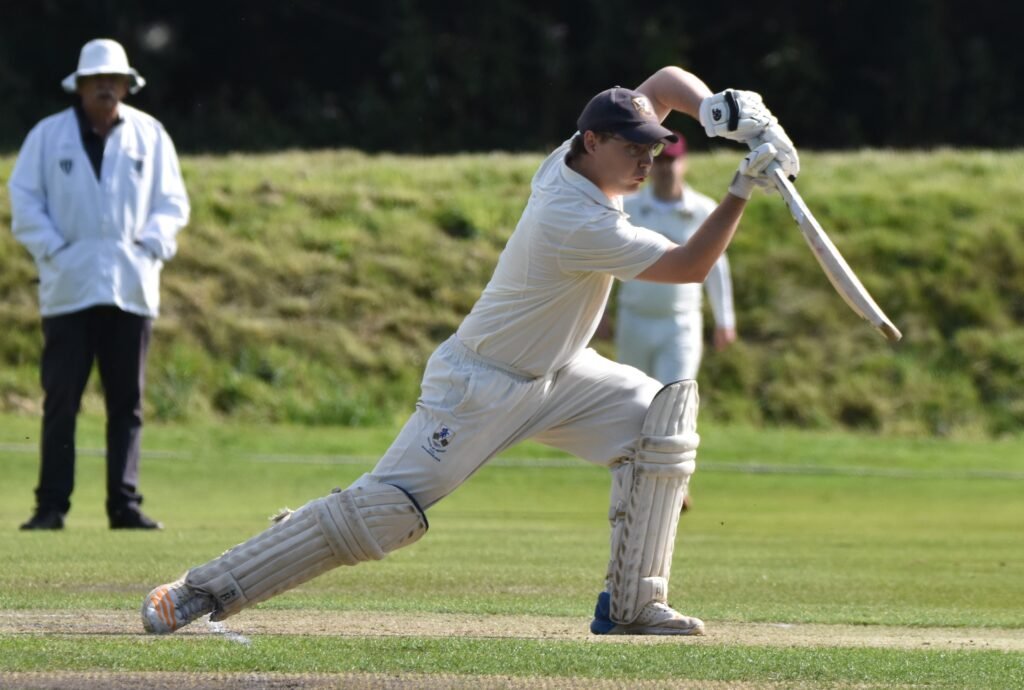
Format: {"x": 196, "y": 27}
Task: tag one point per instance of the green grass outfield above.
{"x": 790, "y": 530}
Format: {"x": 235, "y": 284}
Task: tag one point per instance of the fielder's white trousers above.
{"x": 470, "y": 410}
{"x": 669, "y": 348}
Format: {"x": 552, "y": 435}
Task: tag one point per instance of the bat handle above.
{"x": 773, "y": 166}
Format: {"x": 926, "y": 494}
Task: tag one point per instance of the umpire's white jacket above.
{"x": 98, "y": 242}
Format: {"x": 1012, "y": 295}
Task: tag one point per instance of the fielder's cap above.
{"x": 624, "y": 112}
{"x": 103, "y": 56}
{"x": 676, "y": 149}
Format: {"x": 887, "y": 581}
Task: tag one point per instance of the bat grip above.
{"x": 773, "y": 166}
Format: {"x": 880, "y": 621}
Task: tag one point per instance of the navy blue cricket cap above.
{"x": 624, "y": 112}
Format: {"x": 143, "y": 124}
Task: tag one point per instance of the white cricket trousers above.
{"x": 669, "y": 348}
{"x": 471, "y": 409}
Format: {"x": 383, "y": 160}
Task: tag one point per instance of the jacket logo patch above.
{"x": 137, "y": 164}
{"x": 65, "y": 165}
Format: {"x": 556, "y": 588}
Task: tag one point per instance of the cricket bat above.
{"x": 839, "y": 273}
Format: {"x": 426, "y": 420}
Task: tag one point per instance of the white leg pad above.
{"x": 364, "y": 522}
{"x": 647, "y": 497}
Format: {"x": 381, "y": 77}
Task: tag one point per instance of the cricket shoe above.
{"x": 655, "y": 618}
{"x": 172, "y": 606}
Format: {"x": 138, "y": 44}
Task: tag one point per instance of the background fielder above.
{"x": 660, "y": 327}
{"x": 518, "y": 367}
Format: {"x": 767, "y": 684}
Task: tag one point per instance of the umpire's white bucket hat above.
{"x": 103, "y": 56}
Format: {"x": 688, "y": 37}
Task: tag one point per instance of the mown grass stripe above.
{"x": 299, "y": 654}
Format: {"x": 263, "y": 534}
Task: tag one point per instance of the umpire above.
{"x": 97, "y": 199}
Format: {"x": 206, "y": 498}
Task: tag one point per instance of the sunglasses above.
{"x": 635, "y": 150}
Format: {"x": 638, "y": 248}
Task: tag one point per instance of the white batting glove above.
{"x": 750, "y": 174}
{"x": 736, "y": 115}
{"x": 787, "y": 156}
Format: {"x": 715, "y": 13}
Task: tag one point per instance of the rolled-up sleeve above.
{"x": 612, "y": 245}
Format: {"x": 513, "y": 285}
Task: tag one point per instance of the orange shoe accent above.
{"x": 168, "y": 608}
{"x": 162, "y": 607}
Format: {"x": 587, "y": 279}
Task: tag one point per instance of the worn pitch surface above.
{"x": 368, "y": 624}
{"x": 548, "y": 628}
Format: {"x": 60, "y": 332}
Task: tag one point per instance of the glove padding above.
{"x": 786, "y": 155}
{"x": 750, "y": 174}
{"x": 737, "y": 115}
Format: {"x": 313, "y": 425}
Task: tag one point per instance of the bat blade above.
{"x": 839, "y": 273}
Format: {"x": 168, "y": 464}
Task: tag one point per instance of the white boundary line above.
{"x": 751, "y": 466}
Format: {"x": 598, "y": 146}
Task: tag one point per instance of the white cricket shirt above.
{"x": 102, "y": 241}
{"x": 545, "y": 299}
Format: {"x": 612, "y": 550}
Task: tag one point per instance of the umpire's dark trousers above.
{"x": 118, "y": 341}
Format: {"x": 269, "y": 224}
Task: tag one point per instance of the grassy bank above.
{"x": 311, "y": 287}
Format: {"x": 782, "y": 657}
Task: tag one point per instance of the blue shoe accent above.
{"x": 602, "y": 623}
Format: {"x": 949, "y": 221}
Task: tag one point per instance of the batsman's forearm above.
{"x": 691, "y": 262}
{"x": 673, "y": 88}
{"x": 713, "y": 236}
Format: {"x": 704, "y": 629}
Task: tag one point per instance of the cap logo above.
{"x": 643, "y": 106}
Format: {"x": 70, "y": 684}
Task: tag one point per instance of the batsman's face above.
{"x": 623, "y": 164}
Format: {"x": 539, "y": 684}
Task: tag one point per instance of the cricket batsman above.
{"x": 518, "y": 367}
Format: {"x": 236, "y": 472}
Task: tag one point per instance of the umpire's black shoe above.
{"x": 45, "y": 518}
{"x": 133, "y": 519}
